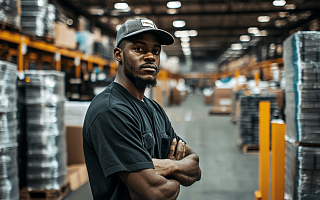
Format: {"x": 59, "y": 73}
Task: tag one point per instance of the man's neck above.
{"x": 130, "y": 87}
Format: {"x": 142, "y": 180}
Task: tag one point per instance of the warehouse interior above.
{"x": 240, "y": 84}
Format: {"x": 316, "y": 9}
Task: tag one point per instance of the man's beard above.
{"x": 136, "y": 80}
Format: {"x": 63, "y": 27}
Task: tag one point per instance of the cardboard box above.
{"x": 208, "y": 100}
{"x": 64, "y": 36}
{"x": 221, "y": 110}
{"x": 279, "y": 96}
{"x": 74, "y": 145}
{"x": 222, "y": 97}
{"x": 77, "y": 176}
{"x": 77, "y": 170}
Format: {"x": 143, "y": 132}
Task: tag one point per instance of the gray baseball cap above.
{"x": 139, "y": 25}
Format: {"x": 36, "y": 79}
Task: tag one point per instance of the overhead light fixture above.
{"x": 172, "y": 11}
{"x": 193, "y": 33}
{"x": 290, "y": 7}
{"x": 174, "y": 4}
{"x": 185, "y": 33}
{"x": 186, "y": 49}
{"x": 280, "y": 23}
{"x": 263, "y": 19}
{"x": 185, "y": 39}
{"x": 187, "y": 53}
{"x": 118, "y": 26}
{"x": 236, "y": 46}
{"x": 137, "y": 11}
{"x": 244, "y": 38}
{"x": 121, "y": 6}
{"x": 179, "y": 23}
{"x": 279, "y": 2}
{"x": 185, "y": 44}
{"x": 253, "y": 30}
{"x": 96, "y": 10}
{"x": 283, "y": 14}
{"x": 262, "y": 33}
{"x": 103, "y": 19}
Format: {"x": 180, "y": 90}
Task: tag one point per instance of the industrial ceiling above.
{"x": 214, "y": 24}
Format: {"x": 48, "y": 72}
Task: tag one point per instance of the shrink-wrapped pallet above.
{"x": 302, "y": 172}
{"x": 33, "y": 17}
{"x": 9, "y": 182}
{"x": 302, "y": 71}
{"x": 248, "y": 120}
{"x": 46, "y": 155}
{"x": 9, "y": 13}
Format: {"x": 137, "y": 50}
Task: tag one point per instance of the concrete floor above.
{"x": 227, "y": 174}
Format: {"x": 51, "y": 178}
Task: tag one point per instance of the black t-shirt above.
{"x": 122, "y": 133}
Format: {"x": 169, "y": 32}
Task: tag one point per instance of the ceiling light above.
{"x": 172, "y": 11}
{"x": 187, "y": 53}
{"x": 193, "y": 33}
{"x": 293, "y": 18}
{"x": 290, "y": 7}
{"x": 137, "y": 11}
{"x": 185, "y": 33}
{"x": 185, "y": 44}
{"x": 185, "y": 39}
{"x": 244, "y": 38}
{"x": 262, "y": 33}
{"x": 280, "y": 23}
{"x": 96, "y": 10}
{"x": 179, "y": 23}
{"x": 253, "y": 30}
{"x": 174, "y": 4}
{"x": 263, "y": 19}
{"x": 283, "y": 14}
{"x": 121, "y": 6}
{"x": 186, "y": 49}
{"x": 118, "y": 26}
{"x": 103, "y": 19}
{"x": 279, "y": 2}
{"x": 236, "y": 46}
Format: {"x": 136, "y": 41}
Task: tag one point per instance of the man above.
{"x": 130, "y": 147}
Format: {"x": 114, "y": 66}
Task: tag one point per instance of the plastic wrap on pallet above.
{"x": 46, "y": 155}
{"x": 21, "y": 133}
{"x": 9, "y": 182}
{"x": 248, "y": 121}
{"x": 50, "y": 20}
{"x": 8, "y": 95}
{"x": 9, "y": 13}
{"x": 33, "y": 17}
{"x": 302, "y": 70}
{"x": 302, "y": 172}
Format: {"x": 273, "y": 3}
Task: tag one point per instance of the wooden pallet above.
{"x": 10, "y": 27}
{"x": 248, "y": 148}
{"x": 26, "y": 194}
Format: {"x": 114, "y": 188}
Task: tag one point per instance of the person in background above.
{"x": 130, "y": 147}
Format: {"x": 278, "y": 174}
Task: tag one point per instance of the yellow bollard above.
{"x": 278, "y": 159}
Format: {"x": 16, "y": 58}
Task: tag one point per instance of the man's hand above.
{"x": 182, "y": 164}
{"x": 179, "y": 153}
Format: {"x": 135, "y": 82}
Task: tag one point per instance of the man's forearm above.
{"x": 186, "y": 171}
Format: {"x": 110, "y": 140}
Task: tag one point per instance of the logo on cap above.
{"x": 146, "y": 22}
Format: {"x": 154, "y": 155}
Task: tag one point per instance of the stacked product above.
{"x": 302, "y": 172}
{"x": 21, "y": 132}
{"x": 33, "y": 17}
{"x": 302, "y": 70}
{"x": 9, "y": 182}
{"x": 9, "y": 13}
{"x": 50, "y": 20}
{"x": 46, "y": 155}
{"x": 248, "y": 121}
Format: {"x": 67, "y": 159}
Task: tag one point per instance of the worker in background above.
{"x": 130, "y": 147}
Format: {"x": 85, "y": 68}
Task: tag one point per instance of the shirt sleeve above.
{"x": 117, "y": 141}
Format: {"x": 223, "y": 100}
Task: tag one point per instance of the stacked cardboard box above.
{"x": 64, "y": 36}
{"x": 222, "y": 101}
{"x": 302, "y": 70}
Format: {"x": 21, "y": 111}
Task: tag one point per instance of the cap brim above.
{"x": 165, "y": 37}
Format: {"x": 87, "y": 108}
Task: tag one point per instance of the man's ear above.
{"x": 118, "y": 55}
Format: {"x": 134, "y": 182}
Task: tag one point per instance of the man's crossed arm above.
{"x": 163, "y": 182}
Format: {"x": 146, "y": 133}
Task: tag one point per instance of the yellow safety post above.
{"x": 264, "y": 147}
{"x": 278, "y": 159}
{"x": 20, "y": 54}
